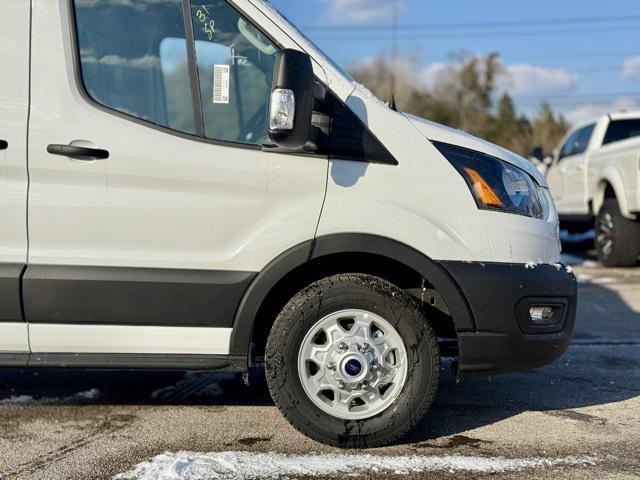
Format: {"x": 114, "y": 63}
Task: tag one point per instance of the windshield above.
{"x": 306, "y": 41}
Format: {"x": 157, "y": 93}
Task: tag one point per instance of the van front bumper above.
{"x": 500, "y": 297}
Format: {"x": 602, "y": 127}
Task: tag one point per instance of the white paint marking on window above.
{"x": 254, "y": 466}
{"x": 221, "y": 84}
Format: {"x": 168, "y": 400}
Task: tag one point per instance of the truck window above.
{"x": 578, "y": 142}
{"x": 622, "y": 130}
{"x": 570, "y": 145}
{"x": 133, "y": 57}
{"x": 585, "y": 137}
{"x": 235, "y": 70}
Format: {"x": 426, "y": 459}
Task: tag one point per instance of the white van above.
{"x": 194, "y": 185}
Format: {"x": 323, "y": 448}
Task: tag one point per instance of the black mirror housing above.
{"x": 293, "y": 72}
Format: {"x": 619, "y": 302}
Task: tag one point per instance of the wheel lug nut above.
{"x": 341, "y": 384}
{"x": 331, "y": 365}
{"x": 343, "y": 346}
{"x": 364, "y": 347}
{"x": 375, "y": 367}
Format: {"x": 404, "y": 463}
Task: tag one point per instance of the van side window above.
{"x": 620, "y": 130}
{"x": 134, "y": 59}
{"x": 578, "y": 142}
{"x": 235, "y": 70}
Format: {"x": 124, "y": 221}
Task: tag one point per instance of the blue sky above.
{"x": 582, "y": 67}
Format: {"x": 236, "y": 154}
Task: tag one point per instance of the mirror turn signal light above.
{"x": 282, "y": 112}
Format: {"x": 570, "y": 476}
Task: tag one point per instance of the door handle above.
{"x": 79, "y": 153}
{"x": 3, "y": 145}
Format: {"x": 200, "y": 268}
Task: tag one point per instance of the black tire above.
{"x": 330, "y": 295}
{"x": 617, "y": 237}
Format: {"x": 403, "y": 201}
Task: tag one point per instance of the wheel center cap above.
{"x": 353, "y": 367}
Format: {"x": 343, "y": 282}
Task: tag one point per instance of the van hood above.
{"x": 439, "y": 133}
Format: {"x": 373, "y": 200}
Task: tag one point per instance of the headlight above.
{"x": 497, "y": 185}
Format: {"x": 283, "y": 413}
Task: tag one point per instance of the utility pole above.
{"x": 394, "y": 47}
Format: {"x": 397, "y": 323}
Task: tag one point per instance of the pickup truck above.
{"x": 594, "y": 178}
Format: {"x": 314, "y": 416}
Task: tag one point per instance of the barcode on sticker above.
{"x": 221, "y": 84}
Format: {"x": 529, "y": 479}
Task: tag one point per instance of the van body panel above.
{"x": 440, "y": 133}
{"x": 159, "y": 200}
{"x": 403, "y": 202}
{"x": 14, "y": 111}
{"x": 413, "y": 197}
{"x": 15, "y": 32}
{"x": 522, "y": 239}
{"x": 163, "y": 203}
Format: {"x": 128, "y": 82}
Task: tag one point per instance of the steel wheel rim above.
{"x": 352, "y": 364}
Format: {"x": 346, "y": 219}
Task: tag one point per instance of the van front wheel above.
{"x": 351, "y": 361}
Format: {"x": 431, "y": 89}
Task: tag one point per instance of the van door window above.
{"x": 235, "y": 70}
{"x": 133, "y": 56}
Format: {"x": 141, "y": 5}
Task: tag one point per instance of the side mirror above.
{"x": 537, "y": 153}
{"x": 292, "y": 97}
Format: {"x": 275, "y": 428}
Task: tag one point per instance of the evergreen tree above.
{"x": 462, "y": 96}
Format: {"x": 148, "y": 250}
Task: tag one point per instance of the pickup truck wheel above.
{"x": 617, "y": 237}
{"x": 352, "y": 362}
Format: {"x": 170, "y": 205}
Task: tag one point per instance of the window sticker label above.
{"x": 221, "y": 84}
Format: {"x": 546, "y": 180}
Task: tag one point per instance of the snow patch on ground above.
{"x": 604, "y": 280}
{"x": 76, "y": 398}
{"x": 583, "y": 278}
{"x": 254, "y": 466}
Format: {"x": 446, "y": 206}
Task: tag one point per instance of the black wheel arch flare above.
{"x": 322, "y": 246}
